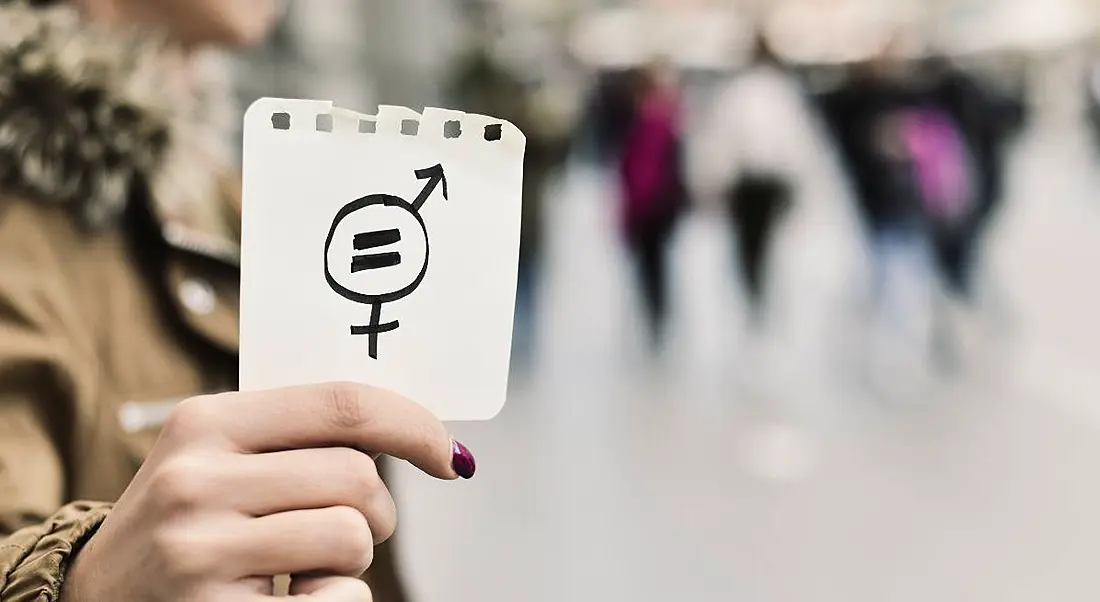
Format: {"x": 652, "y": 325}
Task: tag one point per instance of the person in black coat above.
{"x": 884, "y": 121}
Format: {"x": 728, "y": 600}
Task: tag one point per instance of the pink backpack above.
{"x": 942, "y": 163}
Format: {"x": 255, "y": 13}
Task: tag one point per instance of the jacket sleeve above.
{"x": 38, "y": 356}
{"x": 33, "y": 560}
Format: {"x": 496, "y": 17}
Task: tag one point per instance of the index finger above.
{"x": 336, "y": 415}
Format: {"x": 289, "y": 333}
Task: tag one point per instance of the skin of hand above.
{"x": 244, "y": 486}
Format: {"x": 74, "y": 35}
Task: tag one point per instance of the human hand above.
{"x": 243, "y": 486}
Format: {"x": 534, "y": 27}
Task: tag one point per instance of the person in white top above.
{"x": 750, "y": 155}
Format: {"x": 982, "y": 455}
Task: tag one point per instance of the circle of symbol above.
{"x": 385, "y": 200}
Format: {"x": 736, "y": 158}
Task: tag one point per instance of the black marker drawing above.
{"x": 377, "y": 251}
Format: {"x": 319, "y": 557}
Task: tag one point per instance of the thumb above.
{"x": 419, "y": 438}
{"x": 353, "y": 415}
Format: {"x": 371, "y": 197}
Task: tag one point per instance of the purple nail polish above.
{"x": 462, "y": 460}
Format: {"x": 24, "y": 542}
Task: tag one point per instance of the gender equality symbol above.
{"x": 387, "y": 243}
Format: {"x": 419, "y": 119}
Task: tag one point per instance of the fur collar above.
{"x": 86, "y": 113}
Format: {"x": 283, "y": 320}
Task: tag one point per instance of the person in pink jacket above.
{"x": 652, "y": 185}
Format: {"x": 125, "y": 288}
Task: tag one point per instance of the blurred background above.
{"x": 807, "y": 305}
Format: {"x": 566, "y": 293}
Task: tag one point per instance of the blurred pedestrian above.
{"x": 119, "y": 273}
{"x": 753, "y": 153}
{"x": 653, "y": 188}
{"x": 925, "y": 145}
{"x": 874, "y": 116}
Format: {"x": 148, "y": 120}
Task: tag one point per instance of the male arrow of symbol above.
{"x": 435, "y": 176}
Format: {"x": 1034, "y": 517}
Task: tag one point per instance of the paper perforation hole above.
{"x": 410, "y": 127}
{"x": 494, "y": 132}
{"x": 280, "y": 121}
{"x": 367, "y": 126}
{"x": 324, "y": 122}
{"x": 452, "y": 129}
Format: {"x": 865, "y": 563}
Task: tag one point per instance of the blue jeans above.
{"x": 903, "y": 276}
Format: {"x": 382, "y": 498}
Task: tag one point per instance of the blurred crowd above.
{"x": 919, "y": 117}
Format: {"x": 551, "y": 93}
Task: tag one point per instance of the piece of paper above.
{"x": 380, "y": 249}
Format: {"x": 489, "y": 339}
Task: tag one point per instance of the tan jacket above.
{"x": 118, "y": 281}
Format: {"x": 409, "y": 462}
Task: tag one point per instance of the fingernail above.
{"x": 462, "y": 460}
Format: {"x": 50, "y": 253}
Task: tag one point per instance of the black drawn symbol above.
{"x": 387, "y": 242}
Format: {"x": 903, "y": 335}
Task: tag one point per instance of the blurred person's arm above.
{"x": 38, "y": 535}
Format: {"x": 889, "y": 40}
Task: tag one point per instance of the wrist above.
{"x": 73, "y": 579}
{"x": 78, "y": 571}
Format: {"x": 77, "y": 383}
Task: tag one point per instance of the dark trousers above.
{"x": 954, "y": 260}
{"x": 649, "y": 247}
{"x": 756, "y": 205}
{"x": 957, "y": 249}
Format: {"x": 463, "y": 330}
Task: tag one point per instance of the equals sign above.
{"x": 372, "y": 240}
